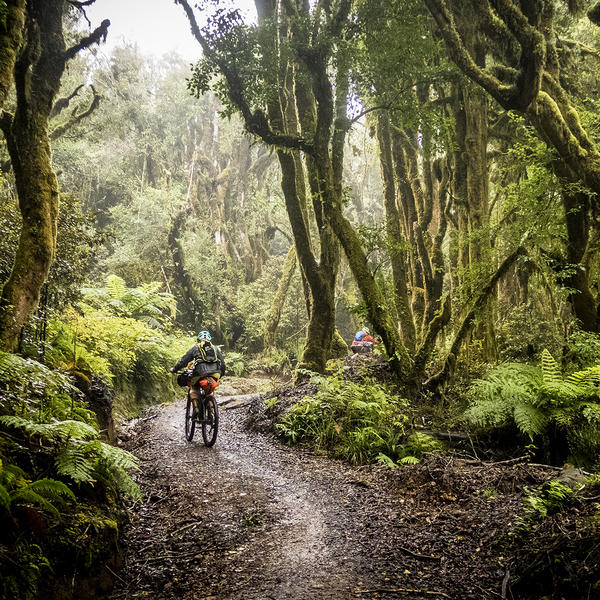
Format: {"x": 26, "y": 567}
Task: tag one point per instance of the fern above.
{"x": 59, "y": 431}
{"x": 551, "y": 374}
{"x": 535, "y": 397}
{"x": 74, "y": 463}
{"x": 4, "y": 498}
{"x": 358, "y": 422}
{"x": 51, "y": 489}
{"x": 115, "y": 286}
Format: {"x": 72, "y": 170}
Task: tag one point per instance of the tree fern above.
{"x": 115, "y": 286}
{"x": 530, "y": 419}
{"x": 551, "y": 373}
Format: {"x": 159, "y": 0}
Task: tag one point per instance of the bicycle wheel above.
{"x": 190, "y": 422}
{"x": 210, "y": 421}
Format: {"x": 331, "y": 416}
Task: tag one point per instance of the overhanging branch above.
{"x": 99, "y": 34}
{"x": 256, "y": 121}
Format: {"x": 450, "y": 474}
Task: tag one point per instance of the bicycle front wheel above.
{"x": 210, "y": 422}
{"x": 190, "y": 422}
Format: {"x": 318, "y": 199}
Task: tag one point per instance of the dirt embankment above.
{"x": 251, "y": 519}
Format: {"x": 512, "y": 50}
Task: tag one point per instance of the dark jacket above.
{"x": 192, "y": 354}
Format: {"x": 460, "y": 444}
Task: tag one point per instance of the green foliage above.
{"x": 271, "y": 402}
{"x": 38, "y": 402}
{"x": 360, "y": 422}
{"x": 236, "y": 364}
{"x": 146, "y": 303}
{"x": 540, "y": 503}
{"x": 583, "y": 349}
{"x": 3, "y": 13}
{"x": 21, "y": 566}
{"x": 28, "y": 387}
{"x": 535, "y": 398}
{"x": 275, "y": 362}
{"x": 524, "y": 331}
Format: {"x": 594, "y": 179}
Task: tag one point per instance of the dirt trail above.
{"x": 251, "y": 519}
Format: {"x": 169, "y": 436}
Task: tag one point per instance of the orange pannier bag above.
{"x": 208, "y": 384}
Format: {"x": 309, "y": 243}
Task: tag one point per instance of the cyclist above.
{"x": 363, "y": 343}
{"x": 206, "y": 362}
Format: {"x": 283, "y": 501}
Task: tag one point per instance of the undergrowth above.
{"x": 52, "y": 463}
{"x": 539, "y": 400}
{"x": 359, "y": 422}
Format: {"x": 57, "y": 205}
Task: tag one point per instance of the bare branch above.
{"x": 81, "y": 6}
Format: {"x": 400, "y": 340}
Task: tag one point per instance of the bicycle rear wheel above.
{"x": 210, "y": 421}
{"x": 190, "y": 421}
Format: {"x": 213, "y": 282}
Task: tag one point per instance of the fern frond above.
{"x": 115, "y": 286}
{"x": 529, "y": 419}
{"x": 27, "y": 495}
{"x": 74, "y": 462}
{"x": 4, "y": 498}
{"x": 11, "y": 475}
{"x": 59, "y": 431}
{"x": 51, "y": 489}
{"x": 118, "y": 457}
{"x": 586, "y": 378}
{"x": 591, "y": 412}
{"x": 550, "y": 369}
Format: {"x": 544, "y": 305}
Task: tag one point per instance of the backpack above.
{"x": 359, "y": 335}
{"x": 208, "y": 361}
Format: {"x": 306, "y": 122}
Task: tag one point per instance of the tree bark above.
{"x": 396, "y": 241}
{"x": 37, "y": 73}
{"x": 11, "y": 38}
{"x": 274, "y": 314}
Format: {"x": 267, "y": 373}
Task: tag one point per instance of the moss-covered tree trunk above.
{"x": 11, "y": 38}
{"x": 526, "y": 76}
{"x": 37, "y": 73}
{"x": 396, "y": 240}
{"x": 274, "y": 314}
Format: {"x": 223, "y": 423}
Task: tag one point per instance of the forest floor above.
{"x": 253, "y": 519}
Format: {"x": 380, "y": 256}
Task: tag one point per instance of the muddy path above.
{"x": 252, "y": 519}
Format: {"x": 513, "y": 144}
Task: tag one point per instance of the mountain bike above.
{"x": 204, "y": 412}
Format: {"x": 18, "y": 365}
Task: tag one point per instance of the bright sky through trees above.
{"x": 156, "y": 26}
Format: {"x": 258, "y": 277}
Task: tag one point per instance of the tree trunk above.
{"x": 274, "y": 314}
{"x": 11, "y": 38}
{"x": 577, "y": 220}
{"x": 396, "y": 240}
{"x": 468, "y": 321}
{"x": 37, "y": 73}
{"x": 26, "y": 135}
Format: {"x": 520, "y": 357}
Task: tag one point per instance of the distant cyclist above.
{"x": 363, "y": 343}
{"x": 206, "y": 362}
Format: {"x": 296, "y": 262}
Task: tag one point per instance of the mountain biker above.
{"x": 363, "y": 342}
{"x": 206, "y": 362}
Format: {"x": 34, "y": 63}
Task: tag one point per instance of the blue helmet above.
{"x": 204, "y": 335}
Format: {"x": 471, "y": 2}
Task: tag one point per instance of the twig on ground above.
{"x": 505, "y": 582}
{"x": 417, "y": 555}
{"x": 402, "y": 590}
{"x": 113, "y": 573}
